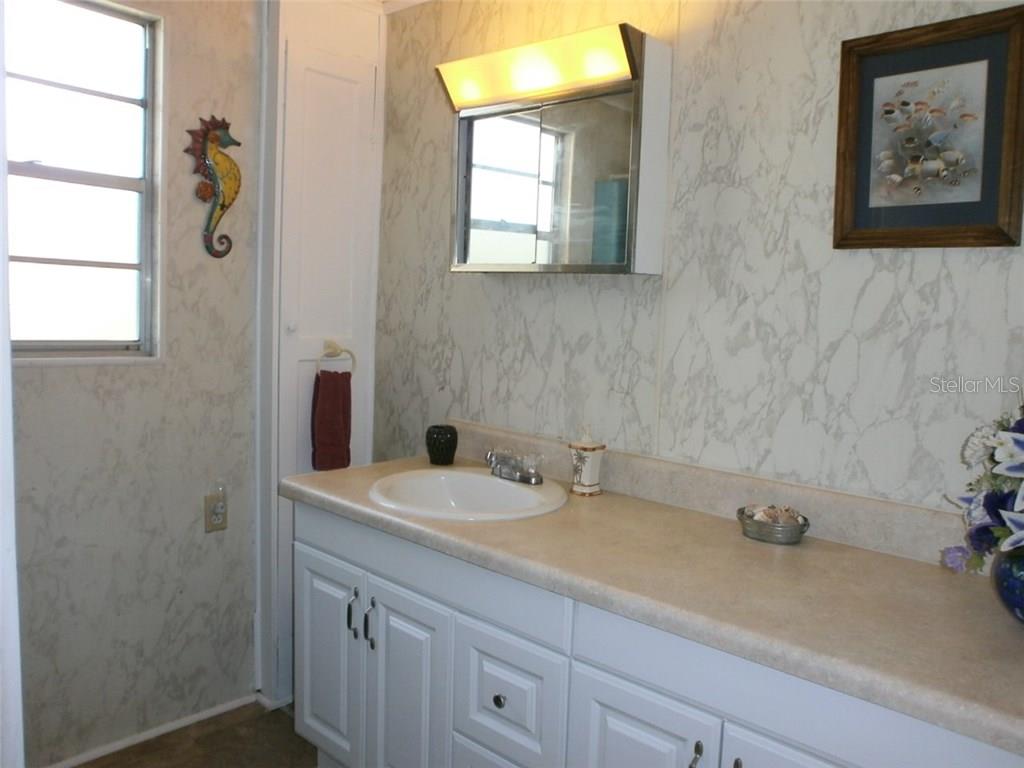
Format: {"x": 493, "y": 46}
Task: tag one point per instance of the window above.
{"x": 514, "y": 207}
{"x": 80, "y": 197}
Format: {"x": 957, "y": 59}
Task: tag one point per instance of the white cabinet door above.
{"x": 745, "y": 749}
{"x": 408, "y": 707}
{"x": 614, "y": 723}
{"x": 330, "y": 659}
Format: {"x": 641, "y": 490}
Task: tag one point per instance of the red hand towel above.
{"x": 332, "y": 420}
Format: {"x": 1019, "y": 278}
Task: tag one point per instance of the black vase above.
{"x": 442, "y": 440}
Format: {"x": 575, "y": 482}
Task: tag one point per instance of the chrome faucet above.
{"x": 509, "y": 466}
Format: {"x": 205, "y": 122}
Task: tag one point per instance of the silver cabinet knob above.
{"x": 698, "y": 753}
{"x": 737, "y": 763}
{"x": 499, "y": 701}
{"x": 291, "y": 328}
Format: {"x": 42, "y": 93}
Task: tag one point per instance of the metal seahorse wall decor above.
{"x": 222, "y": 178}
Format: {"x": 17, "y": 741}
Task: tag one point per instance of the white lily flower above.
{"x": 1015, "y": 522}
{"x": 1009, "y": 446}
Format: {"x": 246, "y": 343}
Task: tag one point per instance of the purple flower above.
{"x": 995, "y": 502}
{"x": 955, "y": 558}
{"x": 981, "y": 539}
{"x": 1018, "y": 427}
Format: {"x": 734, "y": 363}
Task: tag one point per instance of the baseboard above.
{"x": 267, "y": 703}
{"x": 160, "y": 730}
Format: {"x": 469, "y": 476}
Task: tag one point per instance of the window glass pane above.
{"x": 71, "y": 130}
{"x": 547, "y": 157}
{"x": 545, "y": 202}
{"x": 499, "y": 196}
{"x": 57, "y": 302}
{"x": 75, "y": 46}
{"x": 54, "y": 220}
{"x": 502, "y": 142}
{"x": 491, "y": 247}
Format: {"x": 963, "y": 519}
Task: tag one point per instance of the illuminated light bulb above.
{"x": 534, "y": 72}
{"x": 469, "y": 90}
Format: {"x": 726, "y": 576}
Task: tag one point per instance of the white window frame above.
{"x": 145, "y": 345}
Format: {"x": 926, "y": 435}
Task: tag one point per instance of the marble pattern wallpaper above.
{"x": 761, "y": 349}
{"x": 132, "y": 616}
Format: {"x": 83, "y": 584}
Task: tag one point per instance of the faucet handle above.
{"x": 531, "y": 462}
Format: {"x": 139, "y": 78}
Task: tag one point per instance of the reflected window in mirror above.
{"x": 549, "y": 186}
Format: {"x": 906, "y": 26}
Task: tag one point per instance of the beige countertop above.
{"x": 907, "y": 635}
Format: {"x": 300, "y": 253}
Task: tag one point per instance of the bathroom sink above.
{"x": 464, "y": 494}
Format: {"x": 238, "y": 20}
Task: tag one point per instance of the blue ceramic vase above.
{"x": 1008, "y": 575}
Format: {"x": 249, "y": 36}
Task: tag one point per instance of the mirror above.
{"x": 549, "y": 188}
{"x": 561, "y": 158}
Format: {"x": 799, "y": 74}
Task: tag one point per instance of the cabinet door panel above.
{"x": 745, "y": 749}
{"x": 330, "y": 662}
{"x": 408, "y": 679}
{"x": 614, "y": 723}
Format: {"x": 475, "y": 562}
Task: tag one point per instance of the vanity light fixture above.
{"x": 597, "y": 57}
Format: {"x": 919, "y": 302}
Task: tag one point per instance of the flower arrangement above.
{"x": 994, "y": 504}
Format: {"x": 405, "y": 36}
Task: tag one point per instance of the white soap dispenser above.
{"x": 586, "y": 465}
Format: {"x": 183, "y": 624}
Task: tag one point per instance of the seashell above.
{"x": 937, "y": 112}
{"x": 932, "y": 168}
{"x": 938, "y": 137}
{"x": 920, "y": 106}
{"x": 953, "y": 157}
{"x": 909, "y": 142}
{"x": 887, "y": 166}
{"x": 894, "y": 179}
{"x": 891, "y": 115}
{"x": 968, "y": 117}
{"x": 955, "y": 181}
{"x": 886, "y": 154}
{"x": 917, "y": 190}
{"x": 906, "y": 107}
{"x": 888, "y": 105}
{"x": 956, "y": 103}
{"x": 901, "y": 127}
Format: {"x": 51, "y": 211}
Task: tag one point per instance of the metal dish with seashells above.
{"x": 775, "y": 525}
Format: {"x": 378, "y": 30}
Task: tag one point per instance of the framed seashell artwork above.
{"x": 930, "y": 151}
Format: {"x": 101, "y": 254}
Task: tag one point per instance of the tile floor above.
{"x": 247, "y": 737}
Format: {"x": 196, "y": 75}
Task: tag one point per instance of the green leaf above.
{"x": 975, "y": 562}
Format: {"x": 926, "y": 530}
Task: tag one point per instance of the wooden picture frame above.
{"x": 930, "y": 149}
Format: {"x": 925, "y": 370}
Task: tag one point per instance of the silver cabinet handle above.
{"x": 348, "y": 616}
{"x": 499, "y": 701}
{"x": 737, "y": 763}
{"x": 698, "y": 753}
{"x": 366, "y": 624}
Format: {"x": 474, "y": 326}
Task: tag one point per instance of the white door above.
{"x": 745, "y": 749}
{"x": 327, "y": 273}
{"x": 331, "y": 661}
{"x": 615, "y": 723}
{"x": 408, "y": 692}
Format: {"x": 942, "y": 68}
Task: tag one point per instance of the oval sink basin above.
{"x": 464, "y": 494}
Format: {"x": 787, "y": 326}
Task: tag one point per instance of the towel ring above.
{"x": 333, "y": 349}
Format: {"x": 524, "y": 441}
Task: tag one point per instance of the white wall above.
{"x": 761, "y": 349}
{"x": 132, "y": 616}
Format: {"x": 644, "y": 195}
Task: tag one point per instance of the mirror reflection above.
{"x": 548, "y": 186}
